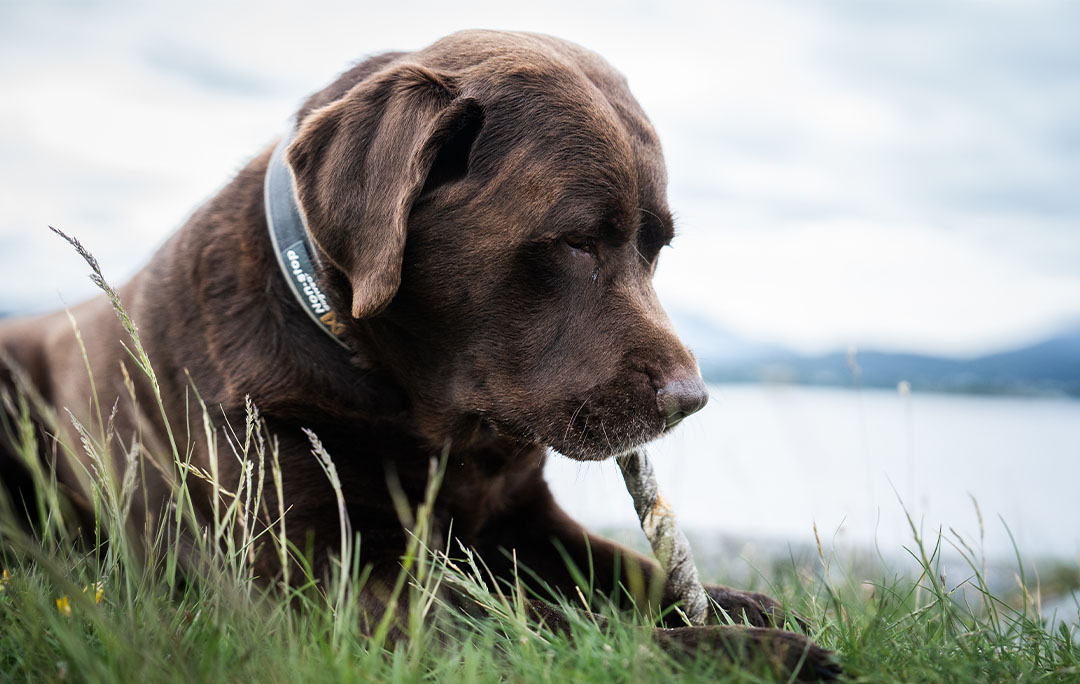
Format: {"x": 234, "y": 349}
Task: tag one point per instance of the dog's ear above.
{"x": 361, "y": 162}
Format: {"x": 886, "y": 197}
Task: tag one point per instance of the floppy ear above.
{"x": 360, "y": 163}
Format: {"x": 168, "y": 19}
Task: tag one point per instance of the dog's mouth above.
{"x": 601, "y": 421}
{"x": 607, "y": 424}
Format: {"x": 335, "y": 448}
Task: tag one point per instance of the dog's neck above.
{"x": 296, "y": 255}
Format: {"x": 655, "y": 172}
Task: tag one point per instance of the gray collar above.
{"x": 292, "y": 243}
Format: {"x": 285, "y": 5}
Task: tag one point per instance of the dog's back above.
{"x": 26, "y": 390}
{"x": 47, "y": 364}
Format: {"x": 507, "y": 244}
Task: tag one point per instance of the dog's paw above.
{"x": 756, "y": 610}
{"x": 785, "y": 653}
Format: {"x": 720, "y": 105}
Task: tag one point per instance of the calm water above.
{"x": 769, "y": 462}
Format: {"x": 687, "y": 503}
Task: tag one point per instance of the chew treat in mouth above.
{"x": 669, "y": 544}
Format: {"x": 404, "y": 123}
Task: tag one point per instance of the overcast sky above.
{"x": 901, "y": 175}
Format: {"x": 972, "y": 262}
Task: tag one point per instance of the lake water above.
{"x": 768, "y": 462}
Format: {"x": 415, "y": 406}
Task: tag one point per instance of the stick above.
{"x": 669, "y": 544}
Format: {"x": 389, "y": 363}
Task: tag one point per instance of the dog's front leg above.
{"x": 562, "y": 554}
{"x": 554, "y": 555}
{"x": 787, "y": 654}
{"x": 544, "y": 541}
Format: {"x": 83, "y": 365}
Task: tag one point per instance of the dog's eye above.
{"x": 581, "y": 244}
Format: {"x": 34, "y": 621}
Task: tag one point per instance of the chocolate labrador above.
{"x": 451, "y": 250}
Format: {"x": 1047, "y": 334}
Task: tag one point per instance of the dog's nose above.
{"x": 680, "y": 398}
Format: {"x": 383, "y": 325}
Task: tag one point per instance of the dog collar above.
{"x": 292, "y": 243}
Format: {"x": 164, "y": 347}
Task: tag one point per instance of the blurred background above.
{"x": 878, "y": 259}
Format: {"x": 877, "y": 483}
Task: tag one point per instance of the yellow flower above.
{"x": 4, "y": 580}
{"x": 63, "y": 606}
{"x": 99, "y": 590}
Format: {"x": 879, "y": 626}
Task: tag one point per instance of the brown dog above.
{"x": 480, "y": 224}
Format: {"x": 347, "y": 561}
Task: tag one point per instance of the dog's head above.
{"x": 493, "y": 208}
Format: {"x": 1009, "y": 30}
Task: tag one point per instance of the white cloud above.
{"x": 891, "y": 175}
{"x": 821, "y": 284}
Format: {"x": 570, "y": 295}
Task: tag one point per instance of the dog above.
{"x": 450, "y": 252}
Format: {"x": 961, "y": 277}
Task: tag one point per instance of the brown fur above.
{"x": 490, "y": 210}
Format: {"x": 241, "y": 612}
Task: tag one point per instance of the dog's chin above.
{"x": 584, "y": 444}
{"x": 583, "y": 455}
{"x": 586, "y": 431}
{"x": 604, "y": 444}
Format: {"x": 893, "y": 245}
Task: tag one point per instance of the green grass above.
{"x": 228, "y": 628}
{"x": 118, "y": 605}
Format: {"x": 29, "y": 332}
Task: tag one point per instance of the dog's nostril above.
{"x": 681, "y": 398}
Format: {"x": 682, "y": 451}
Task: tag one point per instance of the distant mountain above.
{"x": 1051, "y": 366}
